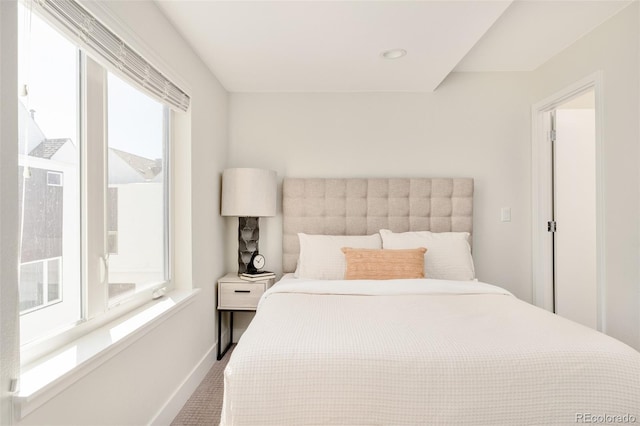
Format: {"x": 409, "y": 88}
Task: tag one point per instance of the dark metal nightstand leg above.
{"x": 220, "y": 355}
{"x": 219, "y": 332}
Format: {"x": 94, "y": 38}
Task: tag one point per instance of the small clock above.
{"x": 256, "y": 263}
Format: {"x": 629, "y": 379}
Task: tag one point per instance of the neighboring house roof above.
{"x": 146, "y": 167}
{"x": 48, "y": 148}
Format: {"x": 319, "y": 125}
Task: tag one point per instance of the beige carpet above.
{"x": 205, "y": 404}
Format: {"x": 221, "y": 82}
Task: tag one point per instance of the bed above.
{"x": 412, "y": 351}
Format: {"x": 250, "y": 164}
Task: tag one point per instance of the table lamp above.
{"x": 248, "y": 194}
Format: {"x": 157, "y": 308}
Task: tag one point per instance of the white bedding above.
{"x": 421, "y": 352}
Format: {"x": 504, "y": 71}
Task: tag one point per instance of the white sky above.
{"x": 134, "y": 119}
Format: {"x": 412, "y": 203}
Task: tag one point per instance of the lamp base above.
{"x": 248, "y": 235}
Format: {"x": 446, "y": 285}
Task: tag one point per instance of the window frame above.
{"x": 97, "y": 311}
{"x": 71, "y": 301}
{"x": 166, "y": 180}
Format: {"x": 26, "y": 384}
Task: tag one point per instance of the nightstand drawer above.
{"x": 240, "y": 295}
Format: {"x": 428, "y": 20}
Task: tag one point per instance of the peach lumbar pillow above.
{"x": 384, "y": 264}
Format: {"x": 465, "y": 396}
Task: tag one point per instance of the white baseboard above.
{"x": 172, "y": 407}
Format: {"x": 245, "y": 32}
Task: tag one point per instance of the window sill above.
{"x": 47, "y": 377}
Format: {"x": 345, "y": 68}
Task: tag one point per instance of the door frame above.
{"x": 541, "y": 194}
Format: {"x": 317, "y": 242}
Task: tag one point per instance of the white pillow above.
{"x": 448, "y": 255}
{"x": 321, "y": 256}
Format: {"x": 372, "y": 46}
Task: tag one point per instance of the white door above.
{"x": 574, "y": 206}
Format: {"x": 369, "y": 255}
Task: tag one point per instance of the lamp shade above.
{"x": 248, "y": 192}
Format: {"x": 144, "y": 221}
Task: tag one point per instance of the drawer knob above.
{"x": 242, "y": 291}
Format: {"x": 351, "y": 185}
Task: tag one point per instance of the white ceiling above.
{"x": 335, "y": 46}
{"x": 530, "y": 33}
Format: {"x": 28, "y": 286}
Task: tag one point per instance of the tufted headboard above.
{"x": 364, "y": 206}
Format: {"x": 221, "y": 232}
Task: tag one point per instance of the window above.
{"x": 137, "y": 129}
{"x": 49, "y": 182}
{"x": 93, "y": 185}
{"x": 54, "y": 178}
{"x": 112, "y": 220}
{"x": 40, "y": 285}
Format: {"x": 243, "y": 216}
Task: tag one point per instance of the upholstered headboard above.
{"x": 364, "y": 206}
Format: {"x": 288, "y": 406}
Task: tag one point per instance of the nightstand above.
{"x": 236, "y": 294}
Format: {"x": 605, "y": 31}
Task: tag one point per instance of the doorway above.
{"x": 567, "y": 200}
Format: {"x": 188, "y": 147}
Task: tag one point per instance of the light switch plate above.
{"x": 505, "y": 214}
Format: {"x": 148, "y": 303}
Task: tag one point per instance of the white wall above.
{"x": 613, "y": 48}
{"x": 134, "y": 385}
{"x": 474, "y": 125}
{"x": 140, "y": 249}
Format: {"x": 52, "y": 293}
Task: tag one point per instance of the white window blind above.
{"x": 94, "y": 36}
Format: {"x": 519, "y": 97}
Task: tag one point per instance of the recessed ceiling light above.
{"x": 393, "y": 53}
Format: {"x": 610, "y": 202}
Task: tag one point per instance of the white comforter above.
{"x": 421, "y": 352}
